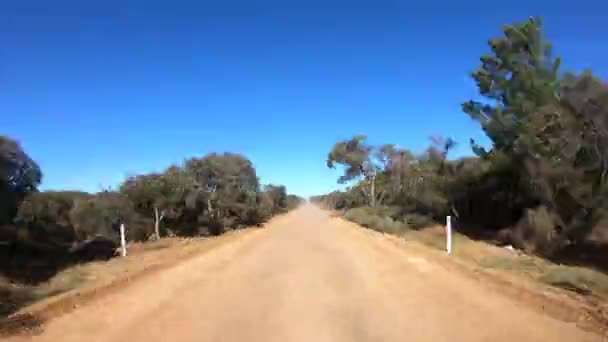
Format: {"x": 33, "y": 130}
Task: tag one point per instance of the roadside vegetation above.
{"x": 541, "y": 187}
{"x": 45, "y": 232}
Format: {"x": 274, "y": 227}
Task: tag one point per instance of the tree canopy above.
{"x": 542, "y": 185}
{"x": 19, "y": 176}
{"x": 200, "y": 196}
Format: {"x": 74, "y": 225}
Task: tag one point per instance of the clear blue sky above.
{"x": 96, "y": 90}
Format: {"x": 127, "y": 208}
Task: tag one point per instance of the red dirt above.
{"x": 308, "y": 277}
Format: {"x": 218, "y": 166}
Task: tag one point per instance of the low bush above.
{"x": 576, "y": 279}
{"x": 41, "y": 233}
{"x": 418, "y": 221}
{"x": 372, "y": 218}
{"x": 538, "y": 232}
{"x": 540, "y": 184}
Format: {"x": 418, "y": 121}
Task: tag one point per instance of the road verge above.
{"x": 104, "y": 278}
{"x": 587, "y": 312}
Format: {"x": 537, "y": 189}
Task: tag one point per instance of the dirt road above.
{"x": 307, "y": 277}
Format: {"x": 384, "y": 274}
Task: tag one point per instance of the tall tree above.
{"x": 19, "y": 175}
{"x": 399, "y": 167}
{"x": 45, "y": 216}
{"x": 278, "y": 194}
{"x": 101, "y": 215}
{"x": 153, "y": 194}
{"x": 357, "y": 160}
{"x": 227, "y": 184}
{"x": 549, "y": 133}
{"x": 568, "y": 158}
{"x": 518, "y": 77}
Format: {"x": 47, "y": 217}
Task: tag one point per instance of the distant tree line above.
{"x": 543, "y": 185}
{"x": 201, "y": 196}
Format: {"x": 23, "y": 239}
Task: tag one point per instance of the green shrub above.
{"x": 368, "y": 217}
{"x": 216, "y": 228}
{"x": 418, "y": 221}
{"x": 359, "y": 215}
{"x": 230, "y": 222}
{"x": 538, "y": 232}
{"x": 576, "y": 279}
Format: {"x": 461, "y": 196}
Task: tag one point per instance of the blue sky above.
{"x": 97, "y": 90}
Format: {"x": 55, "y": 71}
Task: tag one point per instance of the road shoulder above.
{"x": 558, "y": 304}
{"x": 118, "y": 274}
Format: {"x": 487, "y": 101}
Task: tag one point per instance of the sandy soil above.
{"x": 307, "y": 277}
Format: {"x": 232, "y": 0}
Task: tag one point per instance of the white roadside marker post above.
{"x": 123, "y": 242}
{"x": 448, "y": 231}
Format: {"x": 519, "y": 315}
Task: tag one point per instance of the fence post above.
{"x": 448, "y": 231}
{"x": 123, "y": 242}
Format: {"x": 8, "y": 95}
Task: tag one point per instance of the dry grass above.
{"x": 580, "y": 280}
{"x": 25, "y": 308}
{"x": 576, "y": 279}
{"x": 65, "y": 280}
{"x": 335, "y": 214}
{"x": 377, "y": 219}
{"x": 14, "y": 296}
{"x": 435, "y": 237}
{"x": 549, "y": 288}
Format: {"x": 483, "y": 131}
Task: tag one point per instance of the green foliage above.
{"x": 376, "y": 218}
{"x": 354, "y": 155}
{"x": 19, "y": 176}
{"x": 158, "y": 196}
{"x": 278, "y": 196}
{"x": 206, "y": 196}
{"x": 555, "y": 138}
{"x": 535, "y": 229}
{"x": 152, "y": 191}
{"x": 223, "y": 185}
{"x": 294, "y": 201}
{"x": 408, "y": 189}
{"x": 101, "y": 215}
{"x": 45, "y": 216}
{"x": 543, "y": 185}
{"x": 341, "y": 200}
{"x": 263, "y": 211}
{"x": 418, "y": 221}
{"x": 357, "y": 159}
{"x": 518, "y": 77}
